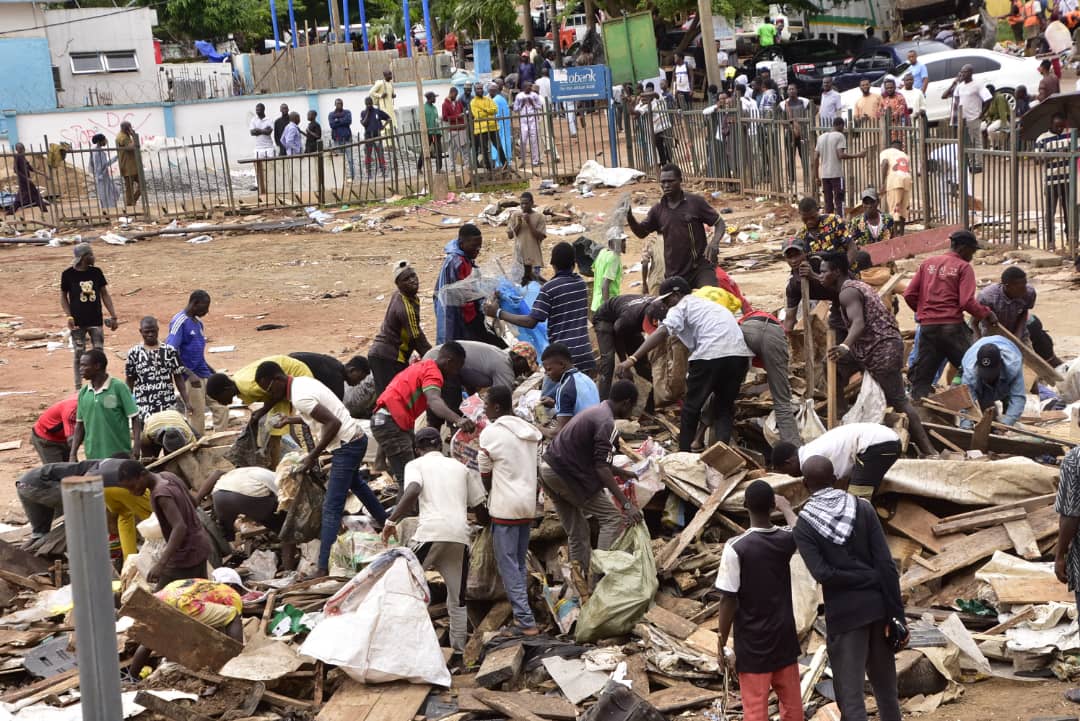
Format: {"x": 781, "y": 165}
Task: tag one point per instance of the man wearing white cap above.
{"x": 83, "y": 289}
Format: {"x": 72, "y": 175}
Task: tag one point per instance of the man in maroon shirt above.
{"x": 453, "y": 114}
{"x": 942, "y": 289}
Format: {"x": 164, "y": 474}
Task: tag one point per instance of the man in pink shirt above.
{"x": 942, "y": 289}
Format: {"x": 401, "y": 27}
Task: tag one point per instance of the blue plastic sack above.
{"x": 512, "y": 299}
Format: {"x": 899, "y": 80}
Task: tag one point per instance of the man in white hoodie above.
{"x": 507, "y": 462}
{"x": 445, "y": 490}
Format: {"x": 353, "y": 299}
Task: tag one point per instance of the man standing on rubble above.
{"x": 719, "y": 357}
{"x": 755, "y": 580}
{"x": 83, "y": 290}
{"x": 681, "y": 217}
{"x": 840, "y": 539}
{"x": 507, "y": 464}
{"x": 577, "y": 468}
{"x": 861, "y": 454}
{"x": 187, "y": 337}
{"x": 942, "y": 289}
{"x": 444, "y": 490}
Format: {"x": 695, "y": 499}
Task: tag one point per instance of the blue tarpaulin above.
{"x": 208, "y": 51}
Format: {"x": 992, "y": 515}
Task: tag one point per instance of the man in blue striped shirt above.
{"x": 564, "y": 303}
{"x": 186, "y": 336}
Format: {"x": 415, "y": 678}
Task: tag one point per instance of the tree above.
{"x": 495, "y": 20}
{"x": 216, "y": 19}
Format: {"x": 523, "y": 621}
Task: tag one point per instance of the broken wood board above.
{"x": 681, "y": 696}
{"x": 500, "y": 666}
{"x": 1030, "y": 589}
{"x": 958, "y": 399}
{"x": 1000, "y": 444}
{"x": 506, "y": 704}
{"x": 168, "y": 709}
{"x": 493, "y": 621}
{"x": 976, "y": 547}
{"x": 10, "y": 445}
{"x": 723, "y": 458}
{"x": 549, "y": 707}
{"x": 23, "y": 563}
{"x": 1028, "y": 504}
{"x": 1023, "y": 539}
{"x": 911, "y": 244}
{"x": 1043, "y": 370}
{"x": 177, "y": 637}
{"x": 915, "y": 522}
{"x": 704, "y": 641}
{"x": 974, "y": 523}
{"x": 670, "y": 555}
{"x": 637, "y": 672}
{"x": 670, "y": 623}
{"x": 1019, "y": 617}
{"x": 685, "y": 607}
{"x": 354, "y": 701}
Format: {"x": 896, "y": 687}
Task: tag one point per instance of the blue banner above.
{"x": 588, "y": 82}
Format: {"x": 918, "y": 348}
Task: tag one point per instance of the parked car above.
{"x": 874, "y": 63}
{"x": 806, "y": 63}
{"x": 1004, "y": 72}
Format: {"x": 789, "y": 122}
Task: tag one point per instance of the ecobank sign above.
{"x": 588, "y": 82}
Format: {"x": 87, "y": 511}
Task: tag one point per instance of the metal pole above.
{"x": 426, "y": 4}
{"x": 274, "y": 22}
{"x": 345, "y": 20}
{"x": 962, "y": 169}
{"x": 363, "y": 24}
{"x": 292, "y": 24}
{"x": 1014, "y": 182}
{"x": 91, "y": 587}
{"x": 408, "y": 27}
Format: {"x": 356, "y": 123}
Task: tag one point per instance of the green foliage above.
{"x": 215, "y": 19}
{"x": 496, "y": 20}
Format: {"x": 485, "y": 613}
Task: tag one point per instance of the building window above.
{"x": 120, "y": 61}
{"x": 58, "y": 86}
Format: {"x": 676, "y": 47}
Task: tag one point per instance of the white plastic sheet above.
{"x": 971, "y": 483}
{"x": 593, "y": 173}
{"x": 376, "y": 616}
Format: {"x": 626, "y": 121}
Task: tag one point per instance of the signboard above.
{"x": 587, "y": 82}
{"x": 630, "y": 48}
{"x": 723, "y": 33}
{"x": 482, "y": 60}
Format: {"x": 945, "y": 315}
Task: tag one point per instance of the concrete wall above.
{"x": 87, "y": 30}
{"x": 185, "y": 120}
{"x": 26, "y": 85}
{"x": 17, "y": 16}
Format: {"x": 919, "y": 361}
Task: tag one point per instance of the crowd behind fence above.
{"x": 1003, "y": 189}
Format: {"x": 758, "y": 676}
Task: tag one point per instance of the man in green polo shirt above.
{"x": 105, "y": 408}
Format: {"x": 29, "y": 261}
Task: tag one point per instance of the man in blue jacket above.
{"x": 994, "y": 371}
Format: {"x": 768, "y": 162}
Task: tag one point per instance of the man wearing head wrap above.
{"x": 83, "y": 290}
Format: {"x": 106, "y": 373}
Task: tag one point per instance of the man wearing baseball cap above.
{"x": 83, "y": 289}
{"x": 994, "y": 371}
{"x": 942, "y": 289}
{"x": 719, "y": 357}
{"x": 434, "y": 132}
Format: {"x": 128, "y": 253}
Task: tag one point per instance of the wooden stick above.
{"x": 1033, "y": 360}
{"x": 890, "y": 284}
{"x": 1022, "y": 430}
{"x": 946, "y": 442}
{"x": 268, "y": 612}
{"x": 830, "y": 382}
{"x": 808, "y": 339}
{"x": 1019, "y": 617}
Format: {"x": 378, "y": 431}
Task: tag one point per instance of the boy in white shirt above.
{"x": 507, "y": 462}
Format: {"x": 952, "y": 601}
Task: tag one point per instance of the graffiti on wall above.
{"x": 106, "y": 123}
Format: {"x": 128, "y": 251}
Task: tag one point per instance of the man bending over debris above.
{"x": 507, "y": 464}
{"x": 840, "y": 539}
{"x": 577, "y": 468}
{"x": 445, "y": 490}
{"x": 187, "y": 545}
{"x": 755, "y": 578}
{"x": 994, "y": 371}
{"x": 861, "y": 454}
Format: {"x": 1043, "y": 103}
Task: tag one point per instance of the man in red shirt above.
{"x": 51, "y": 435}
{"x": 453, "y": 114}
{"x": 942, "y": 289}
{"x": 412, "y": 392}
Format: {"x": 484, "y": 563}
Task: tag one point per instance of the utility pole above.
{"x": 708, "y": 42}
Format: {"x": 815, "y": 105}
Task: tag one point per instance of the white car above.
{"x": 1004, "y": 72}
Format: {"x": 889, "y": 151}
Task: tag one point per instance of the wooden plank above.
{"x": 24, "y": 563}
{"x": 681, "y": 696}
{"x": 670, "y": 623}
{"x": 685, "y": 607}
{"x": 170, "y": 633}
{"x": 1030, "y": 589}
{"x": 945, "y": 442}
{"x": 1043, "y": 370}
{"x": 915, "y": 522}
{"x": 1019, "y": 617}
{"x": 981, "y": 521}
{"x": 980, "y": 435}
{"x": 957, "y": 398}
{"x": 1028, "y": 504}
{"x": 723, "y": 458}
{"x": 976, "y": 547}
{"x": 493, "y": 621}
{"x": 670, "y": 555}
{"x": 508, "y": 706}
{"x": 891, "y": 284}
{"x": 354, "y": 701}
{"x": 831, "y": 400}
{"x": 500, "y": 666}
{"x": 703, "y": 640}
{"x": 1000, "y": 444}
{"x": 26, "y": 582}
{"x": 637, "y": 671}
{"x": 1023, "y": 539}
{"x": 808, "y": 339}
{"x": 911, "y": 244}
{"x": 548, "y": 707}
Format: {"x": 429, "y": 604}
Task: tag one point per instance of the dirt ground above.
{"x": 282, "y": 278}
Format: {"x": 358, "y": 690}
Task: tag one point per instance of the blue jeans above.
{"x": 345, "y": 476}
{"x": 511, "y": 547}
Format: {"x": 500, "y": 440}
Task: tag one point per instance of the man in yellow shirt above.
{"x": 485, "y": 129}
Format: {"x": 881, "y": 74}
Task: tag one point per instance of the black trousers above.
{"x": 853, "y": 654}
{"x": 612, "y": 344}
{"x": 720, "y": 378}
{"x": 663, "y": 153}
{"x": 872, "y": 464}
{"x": 436, "y": 149}
{"x": 482, "y": 143}
{"x": 945, "y": 341}
{"x": 1056, "y": 193}
{"x": 477, "y": 330}
{"x": 383, "y": 371}
{"x": 1041, "y": 342}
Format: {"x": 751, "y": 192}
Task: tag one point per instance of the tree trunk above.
{"x": 526, "y": 21}
{"x": 590, "y": 15}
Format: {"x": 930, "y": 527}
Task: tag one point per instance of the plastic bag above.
{"x": 806, "y": 420}
{"x": 377, "y": 616}
{"x": 465, "y": 446}
{"x": 303, "y": 520}
{"x": 245, "y": 450}
{"x": 626, "y": 591}
{"x": 870, "y": 406}
{"x": 353, "y": 550}
{"x": 484, "y": 583}
{"x": 515, "y": 299}
{"x": 640, "y": 490}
